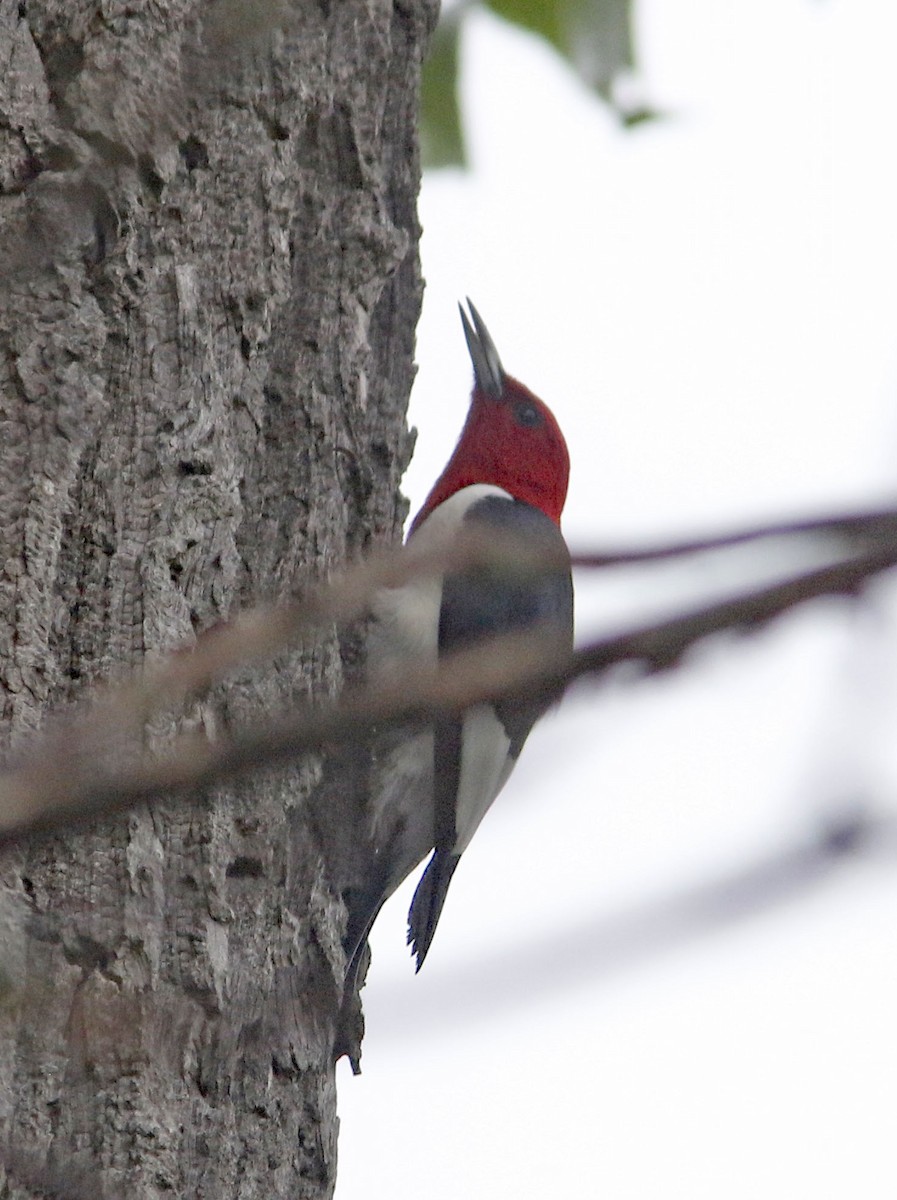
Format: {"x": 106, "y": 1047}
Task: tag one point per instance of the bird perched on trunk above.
{"x": 433, "y": 786}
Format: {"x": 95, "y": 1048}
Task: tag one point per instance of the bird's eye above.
{"x": 527, "y": 415}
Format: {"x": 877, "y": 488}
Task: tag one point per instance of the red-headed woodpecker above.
{"x": 432, "y": 787}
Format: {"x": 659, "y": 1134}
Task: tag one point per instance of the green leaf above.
{"x": 542, "y": 17}
{"x": 594, "y": 36}
{"x": 442, "y": 140}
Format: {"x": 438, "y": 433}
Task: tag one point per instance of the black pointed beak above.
{"x": 487, "y": 369}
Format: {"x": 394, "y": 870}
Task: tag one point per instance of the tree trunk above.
{"x": 208, "y": 296}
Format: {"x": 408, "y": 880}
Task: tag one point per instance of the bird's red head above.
{"x": 510, "y": 437}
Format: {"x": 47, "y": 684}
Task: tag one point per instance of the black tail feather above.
{"x": 426, "y": 907}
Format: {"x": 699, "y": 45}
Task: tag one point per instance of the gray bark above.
{"x": 209, "y": 290}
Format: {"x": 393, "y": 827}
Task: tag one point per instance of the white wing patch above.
{"x": 485, "y": 765}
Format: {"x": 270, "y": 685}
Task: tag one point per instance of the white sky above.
{"x": 708, "y": 304}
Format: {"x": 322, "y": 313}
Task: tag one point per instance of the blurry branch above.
{"x": 85, "y": 768}
{"x": 598, "y": 946}
{"x": 876, "y": 525}
{"x": 266, "y": 630}
{"x": 659, "y": 647}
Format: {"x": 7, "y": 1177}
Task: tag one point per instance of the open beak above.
{"x": 487, "y": 369}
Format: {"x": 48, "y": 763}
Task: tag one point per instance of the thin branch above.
{"x": 59, "y": 784}
{"x": 661, "y": 646}
{"x": 266, "y": 630}
{"x": 878, "y": 525}
{"x": 260, "y": 633}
